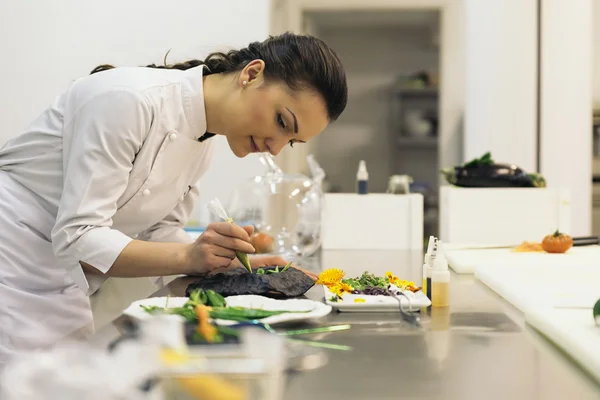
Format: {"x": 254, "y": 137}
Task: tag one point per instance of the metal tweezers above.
{"x": 409, "y": 317}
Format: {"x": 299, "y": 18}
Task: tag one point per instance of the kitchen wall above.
{"x": 374, "y": 57}
{"x": 47, "y": 44}
{"x": 596, "y": 53}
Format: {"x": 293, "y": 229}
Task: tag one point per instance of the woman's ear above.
{"x": 253, "y": 73}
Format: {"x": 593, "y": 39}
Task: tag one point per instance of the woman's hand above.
{"x": 216, "y": 246}
{"x": 271, "y": 261}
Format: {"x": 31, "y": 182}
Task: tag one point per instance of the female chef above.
{"x": 102, "y": 183}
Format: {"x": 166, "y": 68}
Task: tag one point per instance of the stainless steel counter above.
{"x": 478, "y": 348}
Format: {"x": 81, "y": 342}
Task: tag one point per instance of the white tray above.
{"x": 573, "y": 331}
{"x": 465, "y": 261}
{"x": 377, "y": 303}
{"x": 567, "y": 286}
{"x": 315, "y": 309}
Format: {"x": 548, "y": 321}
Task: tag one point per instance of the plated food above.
{"x": 483, "y": 172}
{"x": 275, "y": 282}
{"x": 210, "y": 317}
{"x": 370, "y": 292}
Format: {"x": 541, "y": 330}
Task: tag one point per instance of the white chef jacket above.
{"x": 115, "y": 157}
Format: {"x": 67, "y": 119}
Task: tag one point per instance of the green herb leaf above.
{"x": 260, "y": 271}
{"x": 286, "y": 267}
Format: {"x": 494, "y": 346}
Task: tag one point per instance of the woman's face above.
{"x": 266, "y": 116}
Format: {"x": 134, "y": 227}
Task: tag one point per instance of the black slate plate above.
{"x": 237, "y": 281}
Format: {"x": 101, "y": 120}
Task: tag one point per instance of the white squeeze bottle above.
{"x": 427, "y": 267}
{"x": 440, "y": 279}
{"x": 362, "y": 178}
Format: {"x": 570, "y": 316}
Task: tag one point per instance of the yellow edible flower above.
{"x": 330, "y": 276}
{"x": 340, "y": 288}
{"x": 394, "y": 280}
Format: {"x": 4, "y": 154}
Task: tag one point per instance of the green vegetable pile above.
{"x": 366, "y": 280}
{"x": 485, "y": 159}
{"x": 219, "y": 308}
{"x": 261, "y": 271}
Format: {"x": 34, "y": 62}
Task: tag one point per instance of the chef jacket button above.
{"x": 173, "y": 136}
{"x": 146, "y": 192}
{"x": 181, "y": 198}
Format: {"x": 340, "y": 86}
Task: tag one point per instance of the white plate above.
{"x": 418, "y": 300}
{"x": 315, "y": 309}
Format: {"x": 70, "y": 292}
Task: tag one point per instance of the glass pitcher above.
{"x": 285, "y": 209}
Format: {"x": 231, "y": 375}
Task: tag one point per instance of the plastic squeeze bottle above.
{"x": 440, "y": 280}
{"x": 427, "y": 267}
{"x": 362, "y": 178}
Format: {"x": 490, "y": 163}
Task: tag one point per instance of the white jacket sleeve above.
{"x": 100, "y": 141}
{"x": 171, "y": 228}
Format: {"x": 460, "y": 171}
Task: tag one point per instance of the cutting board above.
{"x": 573, "y": 331}
{"x": 539, "y": 285}
{"x": 464, "y": 261}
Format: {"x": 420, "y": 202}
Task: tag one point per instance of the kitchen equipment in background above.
{"x": 415, "y": 107}
{"x": 362, "y": 178}
{"x": 399, "y": 184}
{"x": 285, "y": 208}
{"x": 416, "y": 124}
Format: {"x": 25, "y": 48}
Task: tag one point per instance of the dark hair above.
{"x": 301, "y": 61}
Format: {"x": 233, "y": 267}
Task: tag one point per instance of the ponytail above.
{"x": 216, "y": 62}
{"x": 300, "y": 61}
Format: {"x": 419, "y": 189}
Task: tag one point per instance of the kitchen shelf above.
{"x": 418, "y": 93}
{"x": 411, "y": 142}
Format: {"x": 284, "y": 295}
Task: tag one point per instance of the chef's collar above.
{"x": 206, "y": 136}
{"x": 193, "y": 102}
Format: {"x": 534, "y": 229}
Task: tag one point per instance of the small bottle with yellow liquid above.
{"x": 427, "y": 266}
{"x": 440, "y": 279}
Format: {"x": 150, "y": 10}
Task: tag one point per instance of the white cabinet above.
{"x": 596, "y": 209}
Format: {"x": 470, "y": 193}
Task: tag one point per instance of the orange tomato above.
{"x": 262, "y": 242}
{"x": 557, "y": 243}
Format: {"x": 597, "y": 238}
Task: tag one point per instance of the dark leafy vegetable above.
{"x": 486, "y": 159}
{"x": 375, "y": 291}
{"x": 484, "y": 172}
